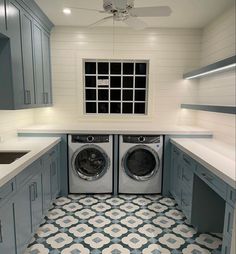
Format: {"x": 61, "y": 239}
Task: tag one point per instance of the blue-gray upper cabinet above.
{"x": 14, "y": 32}
{"x": 24, "y": 56}
{"x": 46, "y": 68}
{"x": 7, "y": 236}
{"x": 38, "y": 64}
{"x": 2, "y": 17}
{"x": 27, "y": 53}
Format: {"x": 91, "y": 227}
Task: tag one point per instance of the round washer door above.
{"x": 141, "y": 162}
{"x": 90, "y": 162}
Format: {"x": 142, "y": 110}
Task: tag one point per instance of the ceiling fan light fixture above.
{"x": 67, "y": 11}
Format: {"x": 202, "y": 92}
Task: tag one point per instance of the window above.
{"x": 115, "y": 87}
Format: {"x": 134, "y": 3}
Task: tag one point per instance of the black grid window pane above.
{"x": 128, "y": 82}
{"x": 140, "y": 68}
{"x": 127, "y": 95}
{"x": 115, "y": 107}
{"x": 91, "y": 107}
{"x": 90, "y": 94}
{"x": 127, "y": 108}
{"x": 103, "y": 95}
{"x": 115, "y": 68}
{"x": 128, "y": 68}
{"x": 140, "y": 95}
{"x": 90, "y": 81}
{"x": 139, "y": 108}
{"x": 115, "y": 95}
{"x": 103, "y": 68}
{"x": 115, "y": 81}
{"x": 140, "y": 82}
{"x": 103, "y": 107}
{"x": 90, "y": 68}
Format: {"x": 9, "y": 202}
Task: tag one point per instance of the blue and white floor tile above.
{"x": 127, "y": 224}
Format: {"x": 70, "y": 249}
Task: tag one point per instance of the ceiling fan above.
{"x": 124, "y": 11}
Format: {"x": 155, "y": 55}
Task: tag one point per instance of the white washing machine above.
{"x": 90, "y": 163}
{"x": 140, "y": 164}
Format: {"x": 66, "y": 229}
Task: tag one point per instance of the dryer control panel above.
{"x": 141, "y": 139}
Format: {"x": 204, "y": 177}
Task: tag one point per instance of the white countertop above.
{"x": 116, "y": 128}
{"x": 216, "y": 156}
{"x": 36, "y": 146}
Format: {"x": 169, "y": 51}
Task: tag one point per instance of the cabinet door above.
{"x": 46, "y": 68}
{"x": 38, "y": 64}
{"x": 7, "y": 239}
{"x": 36, "y": 201}
{"x": 2, "y": 17}
{"x": 176, "y": 175}
{"x": 54, "y": 179}
{"x": 14, "y": 32}
{"x": 27, "y": 52}
{"x": 46, "y": 179}
{"x": 23, "y": 218}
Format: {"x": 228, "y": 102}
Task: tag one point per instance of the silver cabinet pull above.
{"x": 186, "y": 160}
{"x": 32, "y": 192}
{"x": 45, "y": 98}
{"x": 1, "y": 238}
{"x": 35, "y": 190}
{"x": 27, "y": 97}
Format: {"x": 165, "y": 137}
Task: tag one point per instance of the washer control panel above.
{"x": 90, "y": 138}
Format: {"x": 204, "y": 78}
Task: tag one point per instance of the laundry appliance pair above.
{"x": 91, "y": 164}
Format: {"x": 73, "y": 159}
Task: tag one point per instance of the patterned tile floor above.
{"x": 127, "y": 224}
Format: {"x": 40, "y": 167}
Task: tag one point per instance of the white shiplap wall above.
{"x": 11, "y": 120}
{"x": 170, "y": 51}
{"x": 218, "y": 42}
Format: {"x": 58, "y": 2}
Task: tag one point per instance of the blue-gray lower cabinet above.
{"x": 207, "y": 201}
{"x": 25, "y": 199}
{"x": 7, "y": 234}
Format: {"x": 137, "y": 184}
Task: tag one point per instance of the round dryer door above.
{"x": 90, "y": 162}
{"x": 141, "y": 162}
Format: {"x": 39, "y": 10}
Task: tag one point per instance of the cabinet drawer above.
{"x": 231, "y": 196}
{"x": 228, "y": 221}
{"x": 213, "y": 181}
{"x": 7, "y": 190}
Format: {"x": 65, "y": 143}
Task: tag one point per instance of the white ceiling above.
{"x": 186, "y": 13}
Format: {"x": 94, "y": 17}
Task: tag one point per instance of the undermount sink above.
{"x": 10, "y": 157}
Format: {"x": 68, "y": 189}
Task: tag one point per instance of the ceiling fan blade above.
{"x": 100, "y": 21}
{"x": 86, "y": 9}
{"x": 158, "y": 11}
{"x": 135, "y": 23}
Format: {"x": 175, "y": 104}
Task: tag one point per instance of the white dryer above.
{"x": 140, "y": 164}
{"x": 90, "y": 163}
